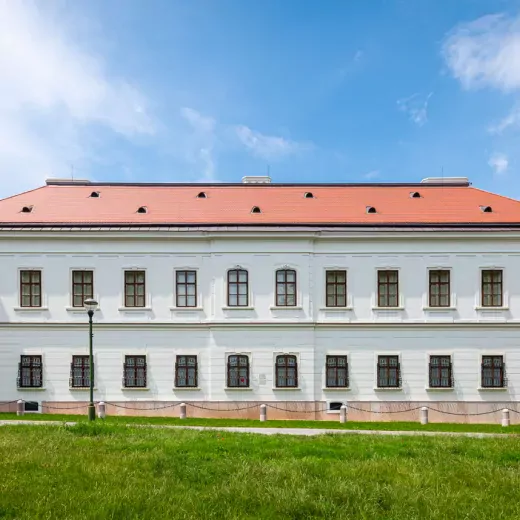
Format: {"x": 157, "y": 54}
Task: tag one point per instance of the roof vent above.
{"x": 202, "y": 195}
{"x": 27, "y": 209}
{"x": 454, "y": 181}
{"x": 371, "y": 209}
{"x": 259, "y": 179}
{"x": 66, "y": 182}
{"x": 94, "y": 195}
{"x": 256, "y": 209}
{"x": 415, "y": 195}
{"x": 142, "y": 209}
{"x": 486, "y": 209}
{"x": 309, "y": 195}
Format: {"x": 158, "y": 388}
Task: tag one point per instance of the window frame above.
{"x": 135, "y": 367}
{"x": 398, "y": 385}
{"x": 39, "y": 284}
{"x": 286, "y": 284}
{"x": 439, "y": 271}
{"x": 186, "y": 284}
{"x": 335, "y": 285}
{"x": 238, "y": 284}
{"x": 73, "y": 271}
{"x": 492, "y": 283}
{"x": 440, "y": 367}
{"x": 336, "y": 367}
{"x": 134, "y": 284}
{"x": 387, "y": 284}
{"x": 503, "y": 378}
{"x": 186, "y": 367}
{"x": 237, "y": 367}
{"x": 285, "y": 367}
{"x": 85, "y": 368}
{"x": 32, "y": 367}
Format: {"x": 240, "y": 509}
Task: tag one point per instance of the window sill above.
{"x": 286, "y": 308}
{"x": 186, "y": 309}
{"x": 239, "y": 388}
{"x": 439, "y": 309}
{"x": 388, "y": 389}
{"x": 185, "y": 388}
{"x": 81, "y": 389}
{"x": 492, "y": 389}
{"x": 440, "y": 389}
{"x": 480, "y": 308}
{"x": 135, "y": 388}
{"x": 349, "y": 308}
{"x": 31, "y": 389}
{"x": 285, "y": 388}
{"x": 31, "y": 309}
{"x": 336, "y": 389}
{"x": 134, "y": 309}
{"x": 388, "y": 308}
{"x": 238, "y": 308}
{"x": 78, "y": 309}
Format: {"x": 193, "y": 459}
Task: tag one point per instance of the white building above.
{"x": 387, "y": 297}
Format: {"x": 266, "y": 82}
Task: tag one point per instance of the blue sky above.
{"x": 166, "y": 91}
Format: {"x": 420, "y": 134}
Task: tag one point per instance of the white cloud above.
{"x": 416, "y": 106}
{"x": 374, "y": 174}
{"x": 512, "y": 119}
{"x": 499, "y": 163}
{"x": 51, "y": 92}
{"x": 267, "y": 146}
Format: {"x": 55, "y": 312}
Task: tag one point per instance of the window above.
{"x": 286, "y": 371}
{"x": 186, "y": 372}
{"x": 135, "y": 372}
{"x": 186, "y": 288}
{"x": 492, "y": 288}
{"x": 337, "y": 372}
{"x": 440, "y": 372}
{"x": 80, "y": 372}
{"x": 388, "y": 372}
{"x": 82, "y": 287}
{"x": 285, "y": 288}
{"x": 238, "y": 288}
{"x": 30, "y": 372}
{"x": 238, "y": 371}
{"x": 493, "y": 368}
{"x": 336, "y": 288}
{"x": 439, "y": 288}
{"x": 30, "y": 289}
{"x": 134, "y": 289}
{"x": 388, "y": 289}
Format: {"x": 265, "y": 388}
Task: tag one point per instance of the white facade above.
{"x": 309, "y": 330}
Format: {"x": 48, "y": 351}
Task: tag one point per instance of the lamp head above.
{"x": 90, "y": 304}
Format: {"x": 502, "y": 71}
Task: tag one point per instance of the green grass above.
{"x": 108, "y": 471}
{"x": 400, "y": 426}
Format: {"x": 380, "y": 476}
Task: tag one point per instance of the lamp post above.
{"x": 91, "y": 305}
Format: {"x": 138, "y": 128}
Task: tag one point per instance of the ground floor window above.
{"x": 30, "y": 372}
{"x": 388, "y": 372}
{"x": 286, "y": 371}
{"x": 440, "y": 372}
{"x": 493, "y": 368}
{"x": 186, "y": 371}
{"x": 135, "y": 372}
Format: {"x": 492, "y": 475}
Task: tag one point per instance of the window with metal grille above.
{"x": 286, "y": 371}
{"x": 134, "y": 289}
{"x": 439, "y": 288}
{"x": 134, "y": 372}
{"x": 286, "y": 288}
{"x": 388, "y": 372}
{"x": 493, "y": 372}
{"x": 336, "y": 289}
{"x": 82, "y": 287}
{"x": 186, "y": 288}
{"x": 30, "y": 372}
{"x": 337, "y": 372}
{"x": 30, "y": 289}
{"x": 186, "y": 373}
{"x": 238, "y": 371}
{"x": 388, "y": 289}
{"x": 80, "y": 372}
{"x": 492, "y": 288}
{"x": 238, "y": 288}
{"x": 441, "y": 375}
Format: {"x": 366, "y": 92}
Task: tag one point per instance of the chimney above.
{"x": 259, "y": 179}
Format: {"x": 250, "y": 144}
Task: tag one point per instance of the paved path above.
{"x": 309, "y": 432}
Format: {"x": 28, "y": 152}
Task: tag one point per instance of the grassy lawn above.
{"x": 445, "y": 427}
{"x": 108, "y": 471}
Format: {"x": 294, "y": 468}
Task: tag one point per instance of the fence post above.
{"x": 424, "y": 415}
{"x": 505, "y": 417}
{"x": 263, "y": 413}
{"x": 102, "y": 410}
{"x": 182, "y": 408}
{"x": 20, "y": 407}
{"x": 343, "y": 414}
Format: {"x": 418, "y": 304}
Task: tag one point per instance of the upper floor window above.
{"x": 134, "y": 372}
{"x": 238, "y": 288}
{"x": 286, "y": 371}
{"x": 439, "y": 288}
{"x": 440, "y": 372}
{"x": 30, "y": 372}
{"x": 134, "y": 289}
{"x": 286, "y": 288}
{"x": 388, "y": 288}
{"x": 186, "y": 288}
{"x": 493, "y": 368}
{"x": 186, "y": 373}
{"x": 238, "y": 371}
{"x": 80, "y": 372}
{"x": 336, "y": 289}
{"x": 30, "y": 288}
{"x": 337, "y": 372}
{"x": 388, "y": 372}
{"x": 82, "y": 287}
{"x": 492, "y": 288}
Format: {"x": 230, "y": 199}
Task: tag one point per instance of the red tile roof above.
{"x": 279, "y": 204}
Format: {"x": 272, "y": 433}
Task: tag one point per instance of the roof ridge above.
{"x": 22, "y": 193}
{"x": 496, "y": 194}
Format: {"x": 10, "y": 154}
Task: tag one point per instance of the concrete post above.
{"x": 102, "y": 410}
{"x": 263, "y": 413}
{"x": 343, "y": 414}
{"x": 505, "y": 417}
{"x": 182, "y": 414}
{"x": 424, "y": 415}
{"x": 20, "y": 407}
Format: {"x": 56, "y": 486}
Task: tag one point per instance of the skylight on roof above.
{"x": 486, "y": 209}
{"x": 27, "y": 209}
{"x": 202, "y": 195}
{"x": 95, "y": 195}
{"x": 256, "y": 209}
{"x": 142, "y": 209}
{"x": 415, "y": 195}
{"x": 371, "y": 209}
{"x": 309, "y": 195}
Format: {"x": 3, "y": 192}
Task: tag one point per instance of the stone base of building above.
{"x": 364, "y": 411}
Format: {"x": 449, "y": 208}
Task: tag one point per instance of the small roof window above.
{"x": 202, "y": 195}
{"x": 308, "y": 195}
{"x": 95, "y": 195}
{"x": 415, "y": 195}
{"x": 27, "y": 209}
{"x": 142, "y": 209}
{"x": 486, "y": 209}
{"x": 256, "y": 209}
{"x": 371, "y": 209}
